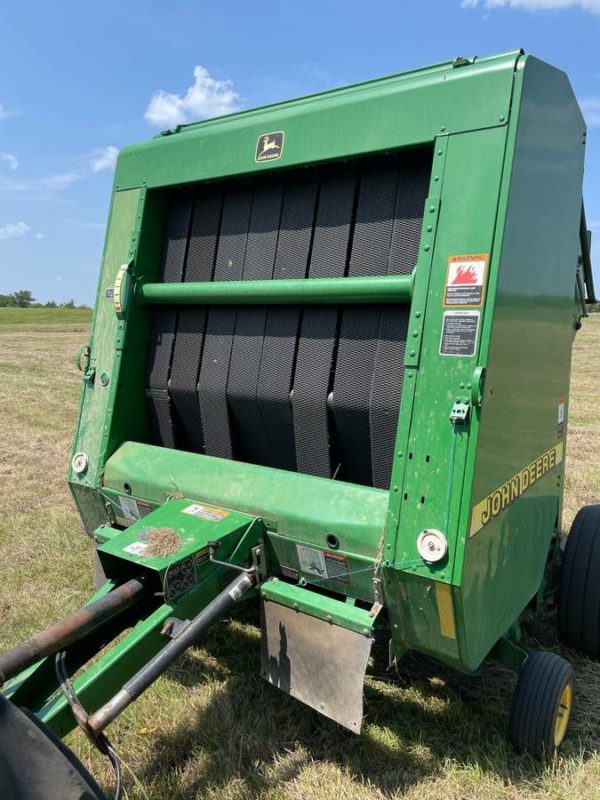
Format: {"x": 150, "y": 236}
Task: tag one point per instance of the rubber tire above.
{"x": 535, "y": 703}
{"x": 579, "y": 588}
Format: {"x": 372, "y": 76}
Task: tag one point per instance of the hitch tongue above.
{"x": 69, "y": 630}
{"x": 134, "y": 687}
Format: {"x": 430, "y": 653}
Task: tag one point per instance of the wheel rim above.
{"x": 563, "y": 714}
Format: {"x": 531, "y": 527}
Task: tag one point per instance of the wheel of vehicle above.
{"x": 541, "y": 705}
{"x": 579, "y": 589}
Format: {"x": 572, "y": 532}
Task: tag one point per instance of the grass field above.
{"x": 212, "y": 728}
{"x": 45, "y": 316}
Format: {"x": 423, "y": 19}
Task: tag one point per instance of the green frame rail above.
{"x": 375, "y": 289}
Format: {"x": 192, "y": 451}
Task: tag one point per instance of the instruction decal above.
{"x": 500, "y": 499}
{"x": 136, "y": 548}
{"x": 459, "y": 333}
{"x": 465, "y": 281}
{"x": 326, "y": 565}
{"x": 206, "y": 512}
{"x": 130, "y": 507}
{"x": 311, "y": 561}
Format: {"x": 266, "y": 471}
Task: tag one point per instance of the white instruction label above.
{"x": 136, "y": 548}
{"x": 459, "y": 333}
{"x": 206, "y": 512}
{"x": 130, "y": 507}
{"x": 311, "y": 561}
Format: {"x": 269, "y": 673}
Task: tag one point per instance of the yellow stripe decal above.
{"x": 495, "y": 503}
{"x": 443, "y": 593}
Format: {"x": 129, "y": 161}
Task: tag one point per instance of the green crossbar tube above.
{"x": 376, "y": 289}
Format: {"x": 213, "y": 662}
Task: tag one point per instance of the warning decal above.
{"x": 337, "y": 567}
{"x": 130, "y": 507}
{"x": 499, "y": 500}
{"x": 311, "y": 561}
{"x": 459, "y": 333}
{"x": 326, "y": 565}
{"x": 465, "y": 280}
{"x": 206, "y": 512}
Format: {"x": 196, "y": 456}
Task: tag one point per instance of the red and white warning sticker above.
{"x": 465, "y": 282}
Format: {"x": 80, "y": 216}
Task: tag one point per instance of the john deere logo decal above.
{"x": 269, "y": 146}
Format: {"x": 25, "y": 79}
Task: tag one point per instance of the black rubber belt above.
{"x": 388, "y": 373}
{"x": 242, "y": 387}
{"x": 220, "y": 326}
{"x": 282, "y": 326}
{"x": 163, "y": 326}
{"x": 357, "y": 348}
{"x": 238, "y": 405}
{"x": 315, "y": 449}
{"x": 191, "y": 324}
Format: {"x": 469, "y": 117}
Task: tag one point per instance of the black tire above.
{"x": 540, "y": 703}
{"x": 579, "y": 588}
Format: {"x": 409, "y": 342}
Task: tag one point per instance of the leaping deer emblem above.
{"x": 268, "y": 144}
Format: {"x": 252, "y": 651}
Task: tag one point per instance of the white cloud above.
{"x": 104, "y": 158}
{"x": 57, "y": 181}
{"x": 14, "y": 230}
{"x": 207, "y": 97}
{"x": 49, "y": 183}
{"x": 590, "y": 108}
{"x": 535, "y": 5}
{"x": 12, "y": 162}
{"x": 4, "y": 114}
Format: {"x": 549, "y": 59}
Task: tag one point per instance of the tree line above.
{"x": 23, "y": 298}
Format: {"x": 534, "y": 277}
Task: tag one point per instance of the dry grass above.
{"x": 212, "y": 728}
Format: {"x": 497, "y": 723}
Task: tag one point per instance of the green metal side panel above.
{"x": 97, "y": 398}
{"x": 430, "y": 466}
{"x": 409, "y": 109}
{"x": 527, "y": 351}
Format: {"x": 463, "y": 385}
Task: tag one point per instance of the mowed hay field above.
{"x": 212, "y": 728}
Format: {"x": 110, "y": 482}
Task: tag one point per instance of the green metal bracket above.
{"x": 336, "y": 612}
{"x": 509, "y": 653}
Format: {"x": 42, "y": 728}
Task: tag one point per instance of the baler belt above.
{"x": 315, "y": 389}
{"x": 191, "y": 325}
{"x": 388, "y": 373}
{"x": 220, "y": 326}
{"x": 316, "y": 346}
{"x": 242, "y": 386}
{"x": 352, "y": 390}
{"x": 163, "y": 326}
{"x": 281, "y": 330}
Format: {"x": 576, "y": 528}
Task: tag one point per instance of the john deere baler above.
{"x": 329, "y": 371}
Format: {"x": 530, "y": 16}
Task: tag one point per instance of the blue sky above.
{"x": 80, "y": 80}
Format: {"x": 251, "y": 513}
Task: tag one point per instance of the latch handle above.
{"x": 477, "y": 385}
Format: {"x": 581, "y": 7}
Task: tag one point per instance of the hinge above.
{"x": 461, "y": 61}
